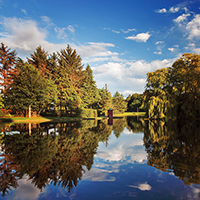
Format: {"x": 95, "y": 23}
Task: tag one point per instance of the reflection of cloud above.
{"x": 26, "y": 190}
{"x": 130, "y": 149}
{"x": 142, "y": 186}
{"x": 196, "y": 192}
{"x": 96, "y": 174}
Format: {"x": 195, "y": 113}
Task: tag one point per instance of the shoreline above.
{"x": 61, "y": 119}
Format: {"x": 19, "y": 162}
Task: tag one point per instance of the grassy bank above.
{"x": 57, "y": 119}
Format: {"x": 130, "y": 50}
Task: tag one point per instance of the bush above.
{"x": 88, "y": 113}
{"x": 1, "y": 114}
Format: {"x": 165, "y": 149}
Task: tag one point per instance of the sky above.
{"x": 121, "y": 40}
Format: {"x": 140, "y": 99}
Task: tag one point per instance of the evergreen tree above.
{"x": 67, "y": 96}
{"x": 105, "y": 102}
{"x": 71, "y": 61}
{"x": 90, "y": 92}
{"x": 39, "y": 60}
{"x": 7, "y": 67}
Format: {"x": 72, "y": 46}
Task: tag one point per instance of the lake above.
{"x": 122, "y": 158}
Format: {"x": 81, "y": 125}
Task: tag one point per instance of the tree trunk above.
{"x": 29, "y": 111}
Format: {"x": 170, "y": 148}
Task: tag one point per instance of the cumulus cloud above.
{"x": 181, "y": 18}
{"x": 25, "y": 35}
{"x": 163, "y": 10}
{"x": 141, "y": 37}
{"x": 193, "y": 27}
{"x": 127, "y": 74}
{"x": 174, "y": 9}
{"x": 171, "y": 49}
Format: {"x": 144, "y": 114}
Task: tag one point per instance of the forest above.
{"x": 58, "y": 84}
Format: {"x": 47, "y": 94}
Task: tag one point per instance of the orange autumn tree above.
{"x": 7, "y": 67}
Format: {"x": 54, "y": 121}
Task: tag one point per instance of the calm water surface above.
{"x": 130, "y": 159}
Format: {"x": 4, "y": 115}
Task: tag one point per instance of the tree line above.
{"x": 54, "y": 83}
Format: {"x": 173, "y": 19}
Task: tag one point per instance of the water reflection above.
{"x": 55, "y": 153}
{"x": 62, "y": 154}
{"x": 175, "y": 147}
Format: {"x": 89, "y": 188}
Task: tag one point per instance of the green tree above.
{"x": 134, "y": 102}
{"x": 30, "y": 90}
{"x": 119, "y": 103}
{"x": 175, "y": 90}
{"x": 90, "y": 91}
{"x": 105, "y": 102}
{"x": 71, "y": 61}
{"x": 39, "y": 60}
{"x": 68, "y": 99}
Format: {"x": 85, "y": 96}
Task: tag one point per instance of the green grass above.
{"x": 57, "y": 119}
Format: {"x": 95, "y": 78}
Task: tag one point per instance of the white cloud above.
{"x": 158, "y": 52}
{"x": 163, "y": 10}
{"x": 171, "y": 49}
{"x": 174, "y": 9}
{"x": 60, "y": 32}
{"x": 128, "y": 30}
{"x": 71, "y": 29}
{"x": 181, "y": 18}
{"x": 24, "y": 11}
{"x": 143, "y": 186}
{"x": 114, "y": 31}
{"x": 47, "y": 20}
{"x": 159, "y": 42}
{"x": 92, "y": 49}
{"x": 193, "y": 27}
{"x": 141, "y": 37}
{"x": 26, "y": 190}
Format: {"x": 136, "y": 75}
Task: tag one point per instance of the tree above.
{"x": 185, "y": 83}
{"x": 30, "y": 90}
{"x": 40, "y": 61}
{"x": 157, "y": 98}
{"x": 105, "y": 102}
{"x": 7, "y": 67}
{"x": 174, "y": 90}
{"x": 68, "y": 98}
{"x": 134, "y": 102}
{"x": 71, "y": 61}
{"x": 90, "y": 91}
{"x": 118, "y": 102}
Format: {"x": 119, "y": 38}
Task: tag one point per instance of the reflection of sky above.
{"x": 25, "y": 191}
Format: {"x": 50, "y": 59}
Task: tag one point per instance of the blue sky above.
{"x": 122, "y": 40}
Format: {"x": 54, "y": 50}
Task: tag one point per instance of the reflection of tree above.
{"x": 8, "y": 175}
{"x": 135, "y": 124}
{"x": 58, "y": 158}
{"x": 175, "y": 147}
{"x": 118, "y": 126}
